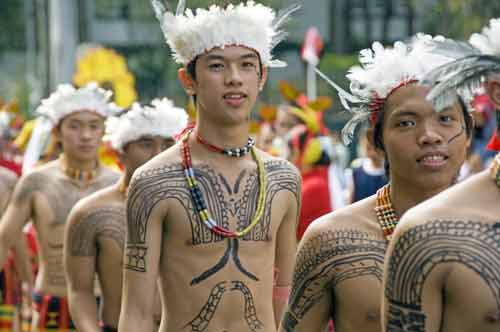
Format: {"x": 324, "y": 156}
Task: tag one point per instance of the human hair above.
{"x": 378, "y": 129}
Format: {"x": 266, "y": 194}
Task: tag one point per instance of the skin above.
{"x": 340, "y": 259}
{"x": 94, "y": 242}
{"x": 209, "y": 283}
{"x": 47, "y": 194}
{"x": 449, "y": 241}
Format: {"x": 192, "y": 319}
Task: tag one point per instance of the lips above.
{"x": 234, "y": 98}
{"x": 433, "y": 159}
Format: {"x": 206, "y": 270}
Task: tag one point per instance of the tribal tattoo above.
{"x": 416, "y": 253}
{"x": 327, "y": 260}
{"x": 95, "y": 226}
{"x": 201, "y": 322}
{"x": 224, "y": 202}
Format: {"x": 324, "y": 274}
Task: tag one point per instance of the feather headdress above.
{"x": 162, "y": 118}
{"x": 382, "y": 71}
{"x": 247, "y": 24}
{"x": 66, "y": 100}
{"x": 475, "y": 60}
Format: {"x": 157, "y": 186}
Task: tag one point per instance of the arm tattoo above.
{"x": 201, "y": 322}
{"x": 325, "y": 261}
{"x": 223, "y": 200}
{"x": 99, "y": 224}
{"x": 416, "y": 253}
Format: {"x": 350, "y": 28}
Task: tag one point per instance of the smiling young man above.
{"x": 338, "y": 274}
{"x": 47, "y": 194}
{"x": 213, "y": 216}
{"x": 443, "y": 267}
{"x": 95, "y": 232}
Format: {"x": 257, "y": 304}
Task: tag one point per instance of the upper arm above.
{"x": 19, "y": 209}
{"x": 80, "y": 250}
{"x": 309, "y": 304}
{"x": 413, "y": 291}
{"x": 286, "y": 240}
{"x": 145, "y": 215}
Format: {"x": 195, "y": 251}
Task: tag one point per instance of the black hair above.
{"x": 378, "y": 130}
{"x": 324, "y": 159}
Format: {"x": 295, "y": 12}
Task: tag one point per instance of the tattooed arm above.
{"x": 413, "y": 296}
{"x": 309, "y": 304}
{"x": 17, "y": 214}
{"x": 145, "y": 215}
{"x": 79, "y": 263}
{"x": 286, "y": 247}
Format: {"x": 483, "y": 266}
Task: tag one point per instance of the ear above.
{"x": 493, "y": 89}
{"x": 263, "y": 79}
{"x": 187, "y": 81}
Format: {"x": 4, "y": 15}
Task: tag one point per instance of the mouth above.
{"x": 433, "y": 160}
{"x": 234, "y": 99}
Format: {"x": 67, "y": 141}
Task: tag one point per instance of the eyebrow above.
{"x": 212, "y": 57}
{"x": 403, "y": 113}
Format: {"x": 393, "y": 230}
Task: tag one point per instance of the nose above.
{"x": 430, "y": 134}
{"x": 233, "y": 76}
{"x": 86, "y": 133}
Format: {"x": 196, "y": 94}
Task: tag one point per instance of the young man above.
{"x": 95, "y": 233}
{"x": 213, "y": 216}
{"x": 443, "y": 267}
{"x": 47, "y": 194}
{"x": 338, "y": 274}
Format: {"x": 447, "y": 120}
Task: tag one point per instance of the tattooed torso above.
{"x": 97, "y": 230}
{"x": 338, "y": 274}
{"x": 444, "y": 270}
{"x": 212, "y": 283}
{"x": 52, "y": 195}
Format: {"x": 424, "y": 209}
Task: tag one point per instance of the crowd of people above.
{"x": 199, "y": 224}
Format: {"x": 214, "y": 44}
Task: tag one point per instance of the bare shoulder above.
{"x": 474, "y": 199}
{"x": 7, "y": 176}
{"x": 102, "y": 199}
{"x": 275, "y": 165}
{"x": 359, "y": 216}
{"x": 34, "y": 181}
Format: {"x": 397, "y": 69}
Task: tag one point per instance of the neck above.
{"x": 224, "y": 136}
{"x": 82, "y": 165}
{"x": 404, "y": 197}
{"x": 127, "y": 176}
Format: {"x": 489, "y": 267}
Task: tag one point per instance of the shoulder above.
{"x": 8, "y": 176}
{"x": 472, "y": 199}
{"x": 358, "y": 216}
{"x": 99, "y": 206}
{"x": 35, "y": 180}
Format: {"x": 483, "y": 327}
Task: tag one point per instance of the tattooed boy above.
{"x": 47, "y": 194}
{"x": 443, "y": 267}
{"x": 338, "y": 274}
{"x": 95, "y": 232}
{"x": 213, "y": 216}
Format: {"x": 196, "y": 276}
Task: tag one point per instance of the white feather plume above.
{"x": 381, "y": 70}
{"x": 67, "y": 100}
{"x": 247, "y": 24}
{"x": 162, "y": 118}
{"x": 488, "y": 41}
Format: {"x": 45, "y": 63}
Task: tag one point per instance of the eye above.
{"x": 406, "y": 123}
{"x": 445, "y": 118}
{"x": 216, "y": 66}
{"x": 248, "y": 64}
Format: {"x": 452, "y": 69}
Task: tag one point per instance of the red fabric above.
{"x": 315, "y": 198}
{"x": 16, "y": 168}
{"x": 494, "y": 143}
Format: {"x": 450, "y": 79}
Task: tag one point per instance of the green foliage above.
{"x": 12, "y": 25}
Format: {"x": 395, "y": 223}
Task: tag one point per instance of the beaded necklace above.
{"x": 76, "y": 173}
{"x": 233, "y": 152}
{"x": 386, "y": 216}
{"x": 495, "y": 170}
{"x": 199, "y": 202}
{"x": 123, "y": 187}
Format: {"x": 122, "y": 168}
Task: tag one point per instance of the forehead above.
{"x": 156, "y": 138}
{"x": 230, "y": 52}
{"x": 410, "y": 98}
{"x": 84, "y": 116}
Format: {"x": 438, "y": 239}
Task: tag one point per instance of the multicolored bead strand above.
{"x": 199, "y": 202}
{"x": 386, "y": 215}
